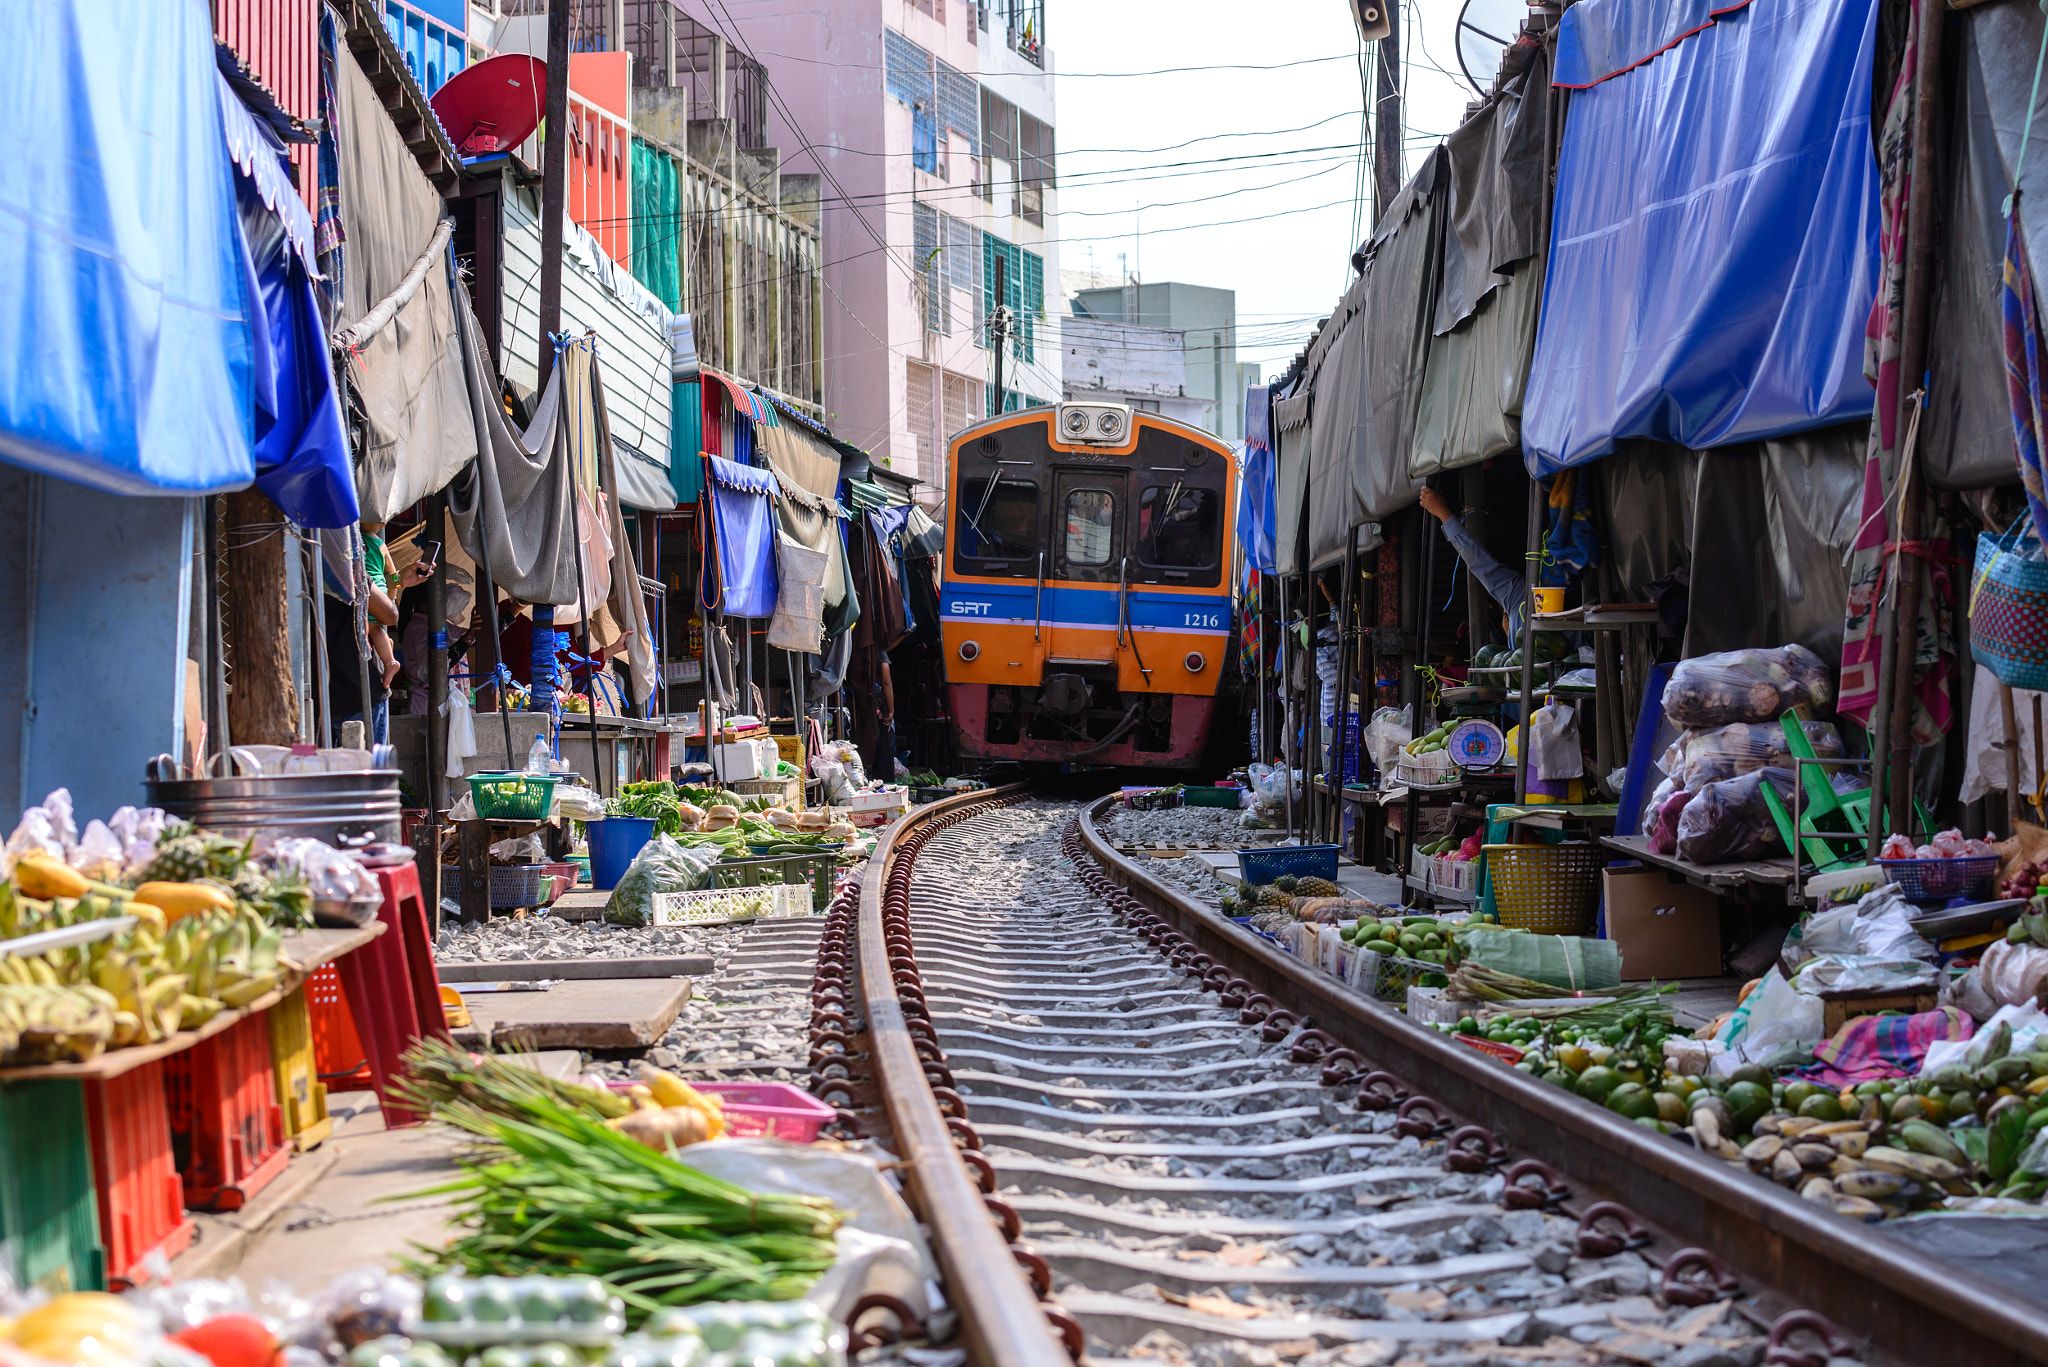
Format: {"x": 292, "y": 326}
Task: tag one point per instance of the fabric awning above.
{"x": 643, "y": 484}
{"x": 807, "y": 466}
{"x": 743, "y": 525}
{"x": 743, "y": 399}
{"x": 1705, "y": 290}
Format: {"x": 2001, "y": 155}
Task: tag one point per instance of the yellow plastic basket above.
{"x": 1548, "y": 889}
{"x": 300, "y": 1094}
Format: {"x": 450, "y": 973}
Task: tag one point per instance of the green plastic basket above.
{"x": 816, "y": 869}
{"x": 512, "y": 796}
{"x": 1212, "y": 797}
{"x": 49, "y": 1216}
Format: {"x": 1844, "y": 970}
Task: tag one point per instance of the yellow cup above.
{"x": 1550, "y": 600}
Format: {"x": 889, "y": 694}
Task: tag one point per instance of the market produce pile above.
{"x": 568, "y": 1181}
{"x": 202, "y": 934}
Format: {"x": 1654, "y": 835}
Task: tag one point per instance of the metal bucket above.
{"x": 344, "y": 810}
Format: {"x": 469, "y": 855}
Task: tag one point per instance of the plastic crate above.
{"x": 338, "y": 1053}
{"x": 1212, "y": 797}
{"x": 512, "y": 796}
{"x": 1303, "y": 861}
{"x": 135, "y": 1178}
{"x": 512, "y": 885}
{"x": 1506, "y": 1053}
{"x": 49, "y": 1217}
{"x": 1938, "y": 880}
{"x": 769, "y": 1110}
{"x": 1548, "y": 889}
{"x": 716, "y": 906}
{"x": 301, "y": 1096}
{"x": 226, "y": 1129}
{"x": 784, "y": 792}
{"x": 1453, "y": 875}
{"x": 816, "y": 870}
{"x": 1387, "y": 978}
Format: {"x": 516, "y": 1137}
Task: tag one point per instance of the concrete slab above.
{"x": 598, "y": 1013}
{"x": 580, "y": 904}
{"x": 534, "y": 970}
{"x": 345, "y": 1218}
{"x": 1359, "y": 881}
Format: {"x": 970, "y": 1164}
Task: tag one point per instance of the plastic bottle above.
{"x": 540, "y": 759}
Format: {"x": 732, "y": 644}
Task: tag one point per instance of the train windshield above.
{"x": 1091, "y": 524}
{"x": 1179, "y": 527}
{"x": 997, "y": 519}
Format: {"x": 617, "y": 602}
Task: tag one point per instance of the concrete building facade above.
{"x": 1145, "y": 367}
{"x": 1206, "y": 316}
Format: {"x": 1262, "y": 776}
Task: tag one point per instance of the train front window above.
{"x": 1179, "y": 528}
{"x": 997, "y": 520}
{"x": 1091, "y": 524}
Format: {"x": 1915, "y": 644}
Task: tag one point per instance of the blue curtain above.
{"x": 743, "y": 520}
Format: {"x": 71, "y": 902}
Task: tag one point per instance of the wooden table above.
{"x": 308, "y": 949}
{"x": 1740, "y": 879}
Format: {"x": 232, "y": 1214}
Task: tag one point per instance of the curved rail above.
{"x": 1906, "y": 1305}
{"x": 1001, "y": 1316}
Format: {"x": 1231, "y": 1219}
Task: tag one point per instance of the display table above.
{"x": 1740, "y": 879}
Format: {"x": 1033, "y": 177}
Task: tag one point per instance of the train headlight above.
{"x": 1076, "y": 422}
{"x": 1194, "y": 661}
{"x": 969, "y": 651}
{"x": 1110, "y": 423}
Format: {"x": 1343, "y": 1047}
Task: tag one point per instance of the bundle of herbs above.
{"x": 558, "y": 1192}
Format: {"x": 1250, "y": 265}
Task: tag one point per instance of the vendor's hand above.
{"x": 417, "y": 573}
{"x": 1436, "y": 505}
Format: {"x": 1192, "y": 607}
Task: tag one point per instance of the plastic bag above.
{"x": 332, "y": 875}
{"x": 838, "y": 765}
{"x": 2014, "y": 973}
{"x": 1730, "y": 820}
{"x": 1710, "y": 754}
{"x": 1880, "y": 924}
{"x": 520, "y": 849}
{"x": 663, "y": 865}
{"x": 1554, "y": 743}
{"x": 137, "y": 828}
{"x": 98, "y": 853}
{"x": 577, "y": 803}
{"x": 1863, "y": 973}
{"x": 1745, "y": 685}
{"x": 1385, "y": 734}
{"x": 461, "y": 714}
{"x": 1272, "y": 783}
{"x": 1774, "y": 1021}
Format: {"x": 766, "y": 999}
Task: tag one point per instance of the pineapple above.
{"x": 179, "y": 858}
{"x": 1285, "y": 882}
{"x": 1316, "y": 887}
{"x": 249, "y": 885}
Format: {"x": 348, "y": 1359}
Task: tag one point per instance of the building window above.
{"x": 919, "y": 406}
{"x": 999, "y": 151}
{"x": 1034, "y": 166}
{"x": 907, "y": 70}
{"x": 1023, "y": 291}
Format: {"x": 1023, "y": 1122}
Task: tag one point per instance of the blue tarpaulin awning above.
{"x": 743, "y": 524}
{"x": 1714, "y": 239}
{"x": 127, "y": 366}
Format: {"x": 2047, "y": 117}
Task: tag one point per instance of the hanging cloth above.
{"x": 743, "y": 526}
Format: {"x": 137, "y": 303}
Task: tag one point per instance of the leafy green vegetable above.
{"x": 656, "y": 799}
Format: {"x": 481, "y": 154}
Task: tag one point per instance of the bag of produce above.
{"x": 1745, "y": 685}
{"x": 1569, "y": 962}
{"x": 1554, "y": 743}
{"x": 1729, "y": 820}
{"x": 1710, "y": 754}
{"x": 1385, "y": 734}
{"x": 662, "y": 865}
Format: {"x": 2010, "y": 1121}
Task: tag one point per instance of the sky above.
{"x": 1294, "y": 134}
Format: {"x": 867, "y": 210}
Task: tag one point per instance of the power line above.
{"x": 1069, "y": 75}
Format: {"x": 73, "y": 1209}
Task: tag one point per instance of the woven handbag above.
{"x": 2009, "y": 609}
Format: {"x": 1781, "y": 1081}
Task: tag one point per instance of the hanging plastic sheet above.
{"x": 1291, "y": 441}
{"x": 1255, "y": 494}
{"x": 626, "y": 604}
{"x": 643, "y": 484}
{"x": 1761, "y": 526}
{"x": 129, "y": 366}
{"x": 1367, "y": 379}
{"x": 743, "y": 524}
{"x": 686, "y": 442}
{"x": 408, "y": 375}
{"x": 1702, "y": 289}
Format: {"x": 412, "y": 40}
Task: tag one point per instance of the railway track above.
{"x": 1128, "y": 1120}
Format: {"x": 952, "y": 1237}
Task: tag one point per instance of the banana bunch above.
{"x": 228, "y": 958}
{"x": 48, "y": 1024}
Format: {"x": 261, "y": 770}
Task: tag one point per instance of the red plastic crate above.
{"x": 141, "y": 1199}
{"x": 227, "y": 1133}
{"x": 338, "y": 1051}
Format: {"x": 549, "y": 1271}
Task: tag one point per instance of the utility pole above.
{"x": 1386, "y": 118}
{"x": 554, "y": 188}
{"x": 999, "y": 329}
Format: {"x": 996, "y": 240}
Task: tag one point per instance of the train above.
{"x": 1085, "y": 596}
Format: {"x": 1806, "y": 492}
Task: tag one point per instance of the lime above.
{"x": 1468, "y": 1025}
{"x": 1748, "y": 1103}
{"x": 1596, "y": 1082}
{"x": 1752, "y": 1072}
{"x": 1670, "y": 1106}
{"x": 1825, "y": 1106}
{"x": 1559, "y": 1077}
{"x": 1796, "y": 1094}
{"x": 1633, "y": 1100}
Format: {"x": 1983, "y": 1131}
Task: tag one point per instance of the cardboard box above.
{"x": 1665, "y": 927}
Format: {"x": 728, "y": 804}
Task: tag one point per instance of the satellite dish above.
{"x": 493, "y": 106}
{"x": 1486, "y": 30}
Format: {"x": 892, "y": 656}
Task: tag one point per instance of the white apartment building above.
{"x": 931, "y": 123}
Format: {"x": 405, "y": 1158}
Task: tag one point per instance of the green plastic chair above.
{"x": 1824, "y": 811}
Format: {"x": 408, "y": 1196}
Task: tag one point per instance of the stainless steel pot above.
{"x": 344, "y": 810}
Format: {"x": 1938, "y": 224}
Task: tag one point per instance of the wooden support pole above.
{"x": 263, "y": 706}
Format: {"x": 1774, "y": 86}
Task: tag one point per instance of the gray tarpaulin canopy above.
{"x": 1367, "y": 381}
{"x": 643, "y": 483}
{"x": 1495, "y": 242}
{"x": 517, "y": 494}
{"x": 408, "y": 375}
{"x": 1761, "y": 526}
{"x": 808, "y": 467}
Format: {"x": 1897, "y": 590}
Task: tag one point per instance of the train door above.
{"x": 1088, "y": 536}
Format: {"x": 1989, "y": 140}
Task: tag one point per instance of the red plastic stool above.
{"x": 142, "y": 1200}
{"x": 393, "y": 993}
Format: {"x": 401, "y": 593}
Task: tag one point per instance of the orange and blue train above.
{"x": 1086, "y": 602}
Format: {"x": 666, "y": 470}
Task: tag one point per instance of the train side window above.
{"x": 997, "y": 520}
{"x": 1091, "y": 526}
{"x": 1179, "y": 527}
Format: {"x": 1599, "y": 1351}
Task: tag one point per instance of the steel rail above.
{"x": 1003, "y": 1321}
{"x": 1907, "y": 1306}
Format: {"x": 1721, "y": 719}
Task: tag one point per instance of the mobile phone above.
{"x": 430, "y": 553}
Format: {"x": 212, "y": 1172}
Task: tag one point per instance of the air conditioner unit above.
{"x": 1095, "y": 424}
